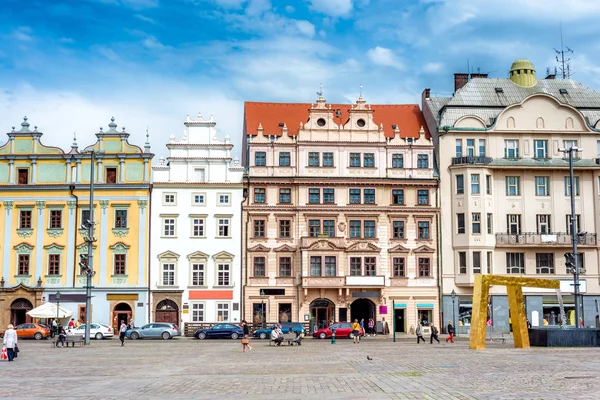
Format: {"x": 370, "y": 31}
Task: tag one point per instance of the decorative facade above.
{"x": 196, "y": 223}
{"x": 44, "y": 196}
{"x": 340, "y": 220}
{"x": 505, "y": 190}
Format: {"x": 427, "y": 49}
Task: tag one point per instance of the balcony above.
{"x": 480, "y": 160}
{"x": 365, "y": 281}
{"x": 323, "y": 282}
{"x": 537, "y": 239}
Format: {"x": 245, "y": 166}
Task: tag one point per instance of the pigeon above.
{"x": 369, "y": 358}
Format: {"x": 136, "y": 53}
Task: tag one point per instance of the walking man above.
{"x": 122, "y": 331}
{"x": 450, "y": 332}
{"x": 419, "y": 333}
{"x": 434, "y": 334}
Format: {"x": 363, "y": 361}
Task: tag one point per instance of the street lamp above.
{"x": 574, "y": 228}
{"x": 262, "y": 307}
{"x": 57, "y": 310}
{"x": 453, "y": 295}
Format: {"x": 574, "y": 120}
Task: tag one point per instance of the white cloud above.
{"x": 66, "y": 40}
{"x": 230, "y": 3}
{"x": 289, "y": 9}
{"x": 433, "y": 67}
{"x": 153, "y": 43}
{"x": 107, "y": 52}
{"x": 140, "y": 4}
{"x": 306, "y": 28}
{"x": 144, "y": 18}
{"x": 23, "y": 33}
{"x": 383, "y": 57}
{"x": 333, "y": 8}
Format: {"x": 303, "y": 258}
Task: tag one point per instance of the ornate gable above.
{"x": 363, "y": 247}
{"x": 168, "y": 255}
{"x": 285, "y": 248}
{"x": 324, "y": 245}
{"x": 398, "y": 249}
{"x": 259, "y": 248}
{"x": 424, "y": 249}
{"x": 223, "y": 256}
{"x": 198, "y": 255}
{"x": 23, "y": 248}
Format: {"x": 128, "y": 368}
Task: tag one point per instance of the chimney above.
{"x": 460, "y": 80}
{"x": 426, "y": 93}
{"x": 551, "y": 76}
{"x": 479, "y": 76}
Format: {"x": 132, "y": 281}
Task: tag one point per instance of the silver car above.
{"x": 154, "y": 330}
{"x": 97, "y": 331}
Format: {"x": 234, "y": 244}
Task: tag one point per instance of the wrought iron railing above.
{"x": 550, "y": 239}
{"x": 471, "y": 160}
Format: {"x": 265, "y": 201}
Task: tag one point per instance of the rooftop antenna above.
{"x": 564, "y": 63}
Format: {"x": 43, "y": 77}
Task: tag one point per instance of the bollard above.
{"x": 332, "y": 335}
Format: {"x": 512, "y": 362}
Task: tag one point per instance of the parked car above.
{"x": 342, "y": 330}
{"x": 220, "y": 331}
{"x": 295, "y": 327}
{"x": 154, "y": 330}
{"x": 97, "y": 331}
{"x": 31, "y": 331}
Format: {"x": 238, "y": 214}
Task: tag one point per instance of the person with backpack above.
{"x": 434, "y": 334}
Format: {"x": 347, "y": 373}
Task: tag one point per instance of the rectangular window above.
{"x": 198, "y": 198}
{"x": 540, "y": 149}
{"x": 259, "y": 195}
{"x": 459, "y": 151}
{"x": 397, "y": 161}
{"x": 23, "y": 176}
{"x": 489, "y": 262}
{"x": 369, "y": 196}
{"x": 398, "y": 196}
{"x": 481, "y": 147}
{"x": 328, "y": 196}
{"x": 476, "y": 262}
{"x": 543, "y": 224}
{"x": 577, "y": 223}
{"x": 355, "y": 266}
{"x": 314, "y": 227}
{"x": 285, "y": 228}
{"x": 460, "y": 222}
{"x": 475, "y": 184}
{"x": 168, "y": 274}
{"x": 111, "y": 175}
{"x": 511, "y": 149}
{"x": 515, "y": 263}
{"x": 223, "y": 227}
{"x": 260, "y": 159}
{"x": 222, "y": 312}
{"x": 355, "y": 159}
{"x": 369, "y": 229}
{"x": 259, "y": 267}
{"x": 284, "y": 159}
{"x": 423, "y": 161}
{"x": 329, "y": 227}
{"x": 25, "y": 219}
{"x": 370, "y": 266}
{"x": 285, "y": 196}
{"x": 314, "y": 196}
{"x": 513, "y": 185}
{"x": 470, "y": 147}
{"x": 313, "y": 159}
{"x": 488, "y": 184}
{"x": 399, "y": 267}
{"x": 423, "y": 230}
{"x": 169, "y": 227}
{"x": 355, "y": 229}
{"x": 330, "y": 266}
{"x": 120, "y": 264}
{"x": 460, "y": 184}
{"x": 328, "y": 159}
{"x": 53, "y": 264}
{"x": 513, "y": 224}
{"x": 197, "y": 312}
{"x": 259, "y": 228}
{"x": 223, "y": 199}
{"x": 197, "y": 227}
{"x": 424, "y": 267}
{"x": 476, "y": 223}
{"x": 462, "y": 262}
{"x": 398, "y": 229}
{"x": 285, "y": 266}
{"x": 199, "y": 175}
{"x": 120, "y": 218}
{"x": 544, "y": 263}
{"x": 489, "y": 224}
{"x": 542, "y": 185}
{"x": 197, "y": 274}
{"x": 568, "y": 185}
{"x": 315, "y": 266}
{"x": 169, "y": 198}
{"x": 423, "y": 197}
{"x": 369, "y": 160}
{"x": 355, "y": 196}
{"x": 223, "y": 272}
{"x": 85, "y": 215}
{"x": 568, "y": 144}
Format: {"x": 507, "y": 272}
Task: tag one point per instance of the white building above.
{"x": 195, "y": 229}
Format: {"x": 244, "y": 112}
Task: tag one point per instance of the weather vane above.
{"x": 320, "y": 92}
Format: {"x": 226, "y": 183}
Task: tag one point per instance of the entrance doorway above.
{"x": 362, "y": 309}
{"x": 121, "y": 312}
{"x": 400, "y": 320}
{"x": 322, "y": 312}
{"x": 18, "y": 312}
{"x": 167, "y": 311}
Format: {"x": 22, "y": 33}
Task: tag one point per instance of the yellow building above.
{"x": 44, "y": 197}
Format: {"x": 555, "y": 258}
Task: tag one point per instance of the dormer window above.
{"x": 23, "y": 174}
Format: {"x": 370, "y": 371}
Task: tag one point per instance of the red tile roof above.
{"x": 407, "y": 117}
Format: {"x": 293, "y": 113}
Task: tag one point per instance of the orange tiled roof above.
{"x": 407, "y": 117}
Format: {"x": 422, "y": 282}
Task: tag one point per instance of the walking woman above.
{"x": 246, "y": 339}
{"x": 356, "y": 331}
{"x": 10, "y": 341}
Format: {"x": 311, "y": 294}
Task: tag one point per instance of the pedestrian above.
{"x": 54, "y": 328}
{"x": 122, "y": 331}
{"x": 246, "y": 339}
{"x": 434, "y": 334}
{"x": 72, "y": 323}
{"x": 362, "y": 324}
{"x": 450, "y": 332}
{"x": 62, "y": 338}
{"x": 419, "y": 333}
{"x": 10, "y": 342}
{"x": 356, "y": 331}
{"x": 370, "y": 325}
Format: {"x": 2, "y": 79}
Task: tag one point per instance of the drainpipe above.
{"x": 439, "y": 260}
{"x": 150, "y": 252}
{"x": 243, "y": 247}
{"x": 75, "y": 261}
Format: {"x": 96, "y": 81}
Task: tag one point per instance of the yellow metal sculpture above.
{"x": 516, "y": 304}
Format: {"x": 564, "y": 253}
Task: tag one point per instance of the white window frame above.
{"x": 202, "y": 203}
{"x": 540, "y": 145}
{"x": 169, "y": 199}
{"x": 511, "y": 144}
{"x": 163, "y": 226}
{"x": 201, "y": 270}
{"x": 567, "y": 180}
{"x": 220, "y": 223}
{"x": 223, "y": 308}
{"x": 199, "y": 173}
{"x": 516, "y": 184}
{"x": 201, "y": 305}
{"x": 470, "y": 147}
{"x": 193, "y": 219}
{"x": 223, "y": 196}
{"x": 226, "y": 269}
{"x": 543, "y": 221}
{"x": 545, "y": 186}
{"x": 173, "y": 272}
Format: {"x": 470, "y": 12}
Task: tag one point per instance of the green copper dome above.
{"x": 522, "y": 73}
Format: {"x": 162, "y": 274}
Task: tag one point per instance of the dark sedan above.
{"x": 220, "y": 331}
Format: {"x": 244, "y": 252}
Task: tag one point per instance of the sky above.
{"x": 71, "y": 65}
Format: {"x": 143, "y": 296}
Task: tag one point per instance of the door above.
{"x": 399, "y": 320}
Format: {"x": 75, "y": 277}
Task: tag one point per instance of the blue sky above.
{"x": 69, "y": 65}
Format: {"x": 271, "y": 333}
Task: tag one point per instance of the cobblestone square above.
{"x": 188, "y": 368}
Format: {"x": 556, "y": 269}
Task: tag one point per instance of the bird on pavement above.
{"x": 369, "y": 358}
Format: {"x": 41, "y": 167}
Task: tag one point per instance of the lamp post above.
{"x": 453, "y": 295}
{"x": 57, "y": 311}
{"x": 574, "y": 231}
{"x": 262, "y": 307}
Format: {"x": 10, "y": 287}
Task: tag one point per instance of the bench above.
{"x": 288, "y": 338}
{"x": 73, "y": 339}
{"x": 498, "y": 337}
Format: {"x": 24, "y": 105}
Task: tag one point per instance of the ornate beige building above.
{"x": 340, "y": 218}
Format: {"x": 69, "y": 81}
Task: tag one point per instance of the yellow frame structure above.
{"x": 516, "y": 304}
